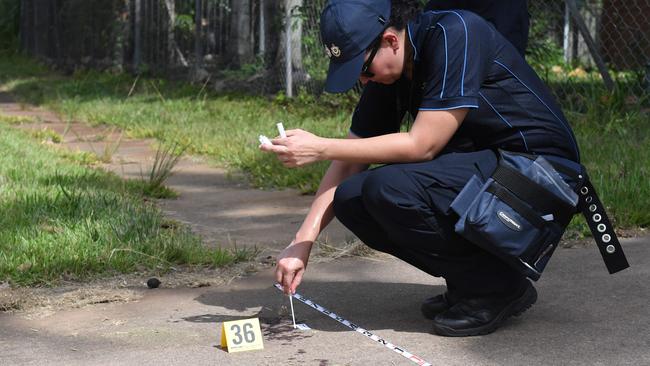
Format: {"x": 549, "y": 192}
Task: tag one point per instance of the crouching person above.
{"x": 471, "y": 94}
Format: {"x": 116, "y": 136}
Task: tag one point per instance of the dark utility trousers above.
{"x": 401, "y": 209}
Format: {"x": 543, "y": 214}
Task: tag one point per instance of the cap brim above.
{"x": 341, "y": 76}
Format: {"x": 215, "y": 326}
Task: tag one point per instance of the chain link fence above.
{"x": 581, "y": 46}
{"x": 272, "y": 46}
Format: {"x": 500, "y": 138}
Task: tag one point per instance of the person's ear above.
{"x": 392, "y": 39}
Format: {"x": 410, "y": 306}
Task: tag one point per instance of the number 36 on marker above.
{"x": 241, "y": 335}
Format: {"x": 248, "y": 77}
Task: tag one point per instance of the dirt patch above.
{"x": 325, "y": 252}
{"x": 41, "y": 302}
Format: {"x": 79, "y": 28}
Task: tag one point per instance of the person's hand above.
{"x": 292, "y": 263}
{"x": 299, "y": 148}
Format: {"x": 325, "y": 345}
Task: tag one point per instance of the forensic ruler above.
{"x": 357, "y": 328}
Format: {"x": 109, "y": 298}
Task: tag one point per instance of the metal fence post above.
{"x": 566, "y": 34}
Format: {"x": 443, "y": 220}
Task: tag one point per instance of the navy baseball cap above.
{"x": 347, "y": 28}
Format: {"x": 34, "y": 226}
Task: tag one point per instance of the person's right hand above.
{"x": 298, "y": 149}
{"x": 292, "y": 263}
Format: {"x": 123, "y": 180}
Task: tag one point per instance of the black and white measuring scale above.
{"x": 400, "y": 350}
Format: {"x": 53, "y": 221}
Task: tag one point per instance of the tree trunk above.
{"x": 198, "y": 34}
{"x": 298, "y": 76}
{"x": 262, "y": 30}
{"x": 173, "y": 50}
{"x": 120, "y": 35}
{"x": 56, "y": 31}
{"x": 272, "y": 27}
{"x": 35, "y": 14}
{"x": 24, "y": 26}
{"x": 240, "y": 34}
{"x": 137, "y": 35}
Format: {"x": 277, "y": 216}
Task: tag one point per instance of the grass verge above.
{"x": 61, "y": 219}
{"x": 224, "y": 128}
{"x": 612, "y": 133}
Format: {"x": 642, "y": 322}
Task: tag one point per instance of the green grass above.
{"x": 59, "y": 218}
{"x": 612, "y": 131}
{"x": 616, "y": 152}
{"x": 224, "y": 128}
{"x": 15, "y": 120}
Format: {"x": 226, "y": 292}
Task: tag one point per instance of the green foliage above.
{"x": 184, "y": 28}
{"x": 184, "y": 23}
{"x": 245, "y": 71}
{"x": 314, "y": 62}
{"x": 544, "y": 50}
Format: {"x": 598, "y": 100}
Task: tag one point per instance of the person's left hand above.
{"x": 297, "y": 149}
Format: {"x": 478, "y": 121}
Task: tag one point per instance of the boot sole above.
{"x": 516, "y": 308}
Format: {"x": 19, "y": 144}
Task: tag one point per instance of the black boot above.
{"x": 484, "y": 315}
{"x": 437, "y": 304}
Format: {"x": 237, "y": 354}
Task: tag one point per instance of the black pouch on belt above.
{"x": 521, "y": 211}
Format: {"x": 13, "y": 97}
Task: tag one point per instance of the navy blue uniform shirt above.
{"x": 461, "y": 61}
{"x": 509, "y": 17}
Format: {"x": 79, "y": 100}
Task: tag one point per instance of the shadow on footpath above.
{"x": 371, "y": 305}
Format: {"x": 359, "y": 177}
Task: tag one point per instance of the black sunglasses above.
{"x": 366, "y": 65}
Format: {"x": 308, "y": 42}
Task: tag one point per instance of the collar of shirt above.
{"x": 415, "y": 35}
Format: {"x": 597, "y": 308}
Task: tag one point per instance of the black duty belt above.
{"x": 596, "y": 216}
{"x": 601, "y": 228}
{"x": 588, "y": 203}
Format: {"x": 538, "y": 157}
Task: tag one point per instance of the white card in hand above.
{"x": 265, "y": 140}
{"x": 281, "y": 131}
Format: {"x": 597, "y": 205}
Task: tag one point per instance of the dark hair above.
{"x": 401, "y": 11}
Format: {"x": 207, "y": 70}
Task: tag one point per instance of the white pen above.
{"x": 293, "y": 316}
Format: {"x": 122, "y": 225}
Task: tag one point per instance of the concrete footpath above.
{"x": 584, "y": 316}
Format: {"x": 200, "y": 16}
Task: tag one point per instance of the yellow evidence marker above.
{"x": 241, "y": 335}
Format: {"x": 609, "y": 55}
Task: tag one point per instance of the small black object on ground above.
{"x": 153, "y": 282}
